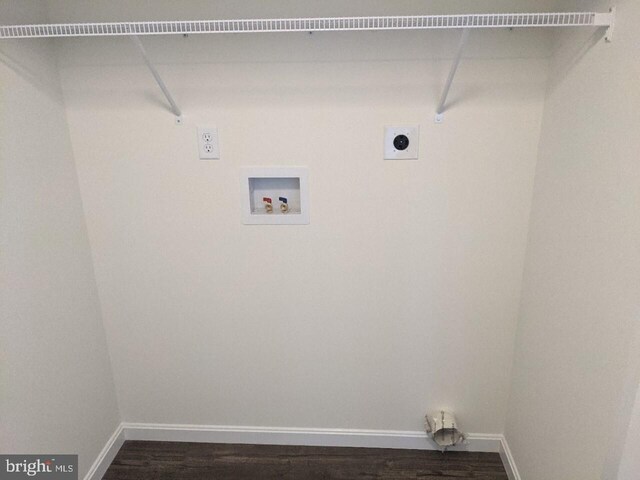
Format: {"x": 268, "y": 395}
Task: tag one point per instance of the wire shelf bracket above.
{"x": 174, "y": 107}
{"x": 464, "y": 38}
{"x": 608, "y": 36}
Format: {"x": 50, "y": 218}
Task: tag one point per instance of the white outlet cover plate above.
{"x": 410, "y": 153}
{"x": 208, "y": 143}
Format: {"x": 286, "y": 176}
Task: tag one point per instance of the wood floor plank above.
{"x": 142, "y": 460}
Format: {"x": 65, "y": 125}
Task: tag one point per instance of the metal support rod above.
{"x": 452, "y": 72}
{"x": 174, "y": 108}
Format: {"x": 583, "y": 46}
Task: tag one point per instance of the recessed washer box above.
{"x": 258, "y": 183}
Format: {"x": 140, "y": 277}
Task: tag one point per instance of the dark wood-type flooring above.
{"x": 138, "y": 460}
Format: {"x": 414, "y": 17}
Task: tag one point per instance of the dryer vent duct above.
{"x": 443, "y": 428}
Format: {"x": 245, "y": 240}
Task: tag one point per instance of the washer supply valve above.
{"x": 267, "y": 204}
{"x": 284, "y": 205}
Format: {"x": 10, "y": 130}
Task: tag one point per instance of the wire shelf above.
{"x": 416, "y": 22}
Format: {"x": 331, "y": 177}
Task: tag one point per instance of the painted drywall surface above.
{"x": 125, "y": 10}
{"x": 574, "y": 355}
{"x": 630, "y": 459}
{"x": 622, "y": 461}
{"x": 402, "y": 293}
{"x": 57, "y": 393}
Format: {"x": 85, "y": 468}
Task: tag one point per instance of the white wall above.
{"x": 57, "y": 393}
{"x": 576, "y": 372}
{"x": 402, "y": 293}
{"x": 630, "y": 458}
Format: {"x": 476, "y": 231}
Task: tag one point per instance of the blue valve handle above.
{"x": 283, "y": 199}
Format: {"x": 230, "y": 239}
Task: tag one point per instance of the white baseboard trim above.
{"x": 106, "y": 456}
{"x": 323, "y": 437}
{"x": 508, "y": 461}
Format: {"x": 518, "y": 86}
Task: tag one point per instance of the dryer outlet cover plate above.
{"x": 401, "y": 143}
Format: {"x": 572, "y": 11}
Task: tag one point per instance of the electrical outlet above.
{"x": 208, "y": 145}
{"x": 401, "y": 143}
